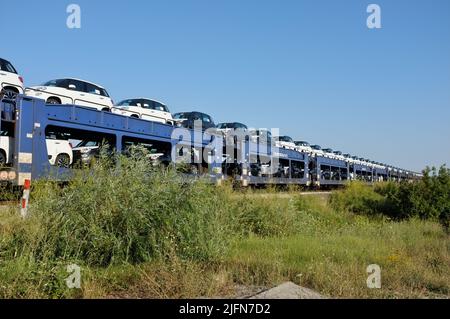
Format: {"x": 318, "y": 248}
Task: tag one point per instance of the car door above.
{"x": 161, "y": 111}
{"x": 78, "y": 92}
{"x": 150, "y": 113}
{"x": 94, "y": 97}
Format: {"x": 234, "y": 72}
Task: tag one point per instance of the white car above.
{"x": 303, "y": 146}
{"x": 11, "y": 83}
{"x": 317, "y": 150}
{"x": 145, "y": 109}
{"x": 285, "y": 142}
{"x": 58, "y": 148}
{"x": 72, "y": 91}
{"x": 329, "y": 152}
{"x": 6, "y": 148}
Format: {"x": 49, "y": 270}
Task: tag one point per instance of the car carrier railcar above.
{"x": 28, "y": 121}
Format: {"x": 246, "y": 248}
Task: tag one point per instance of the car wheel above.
{"x": 2, "y": 159}
{"x": 10, "y": 95}
{"x": 53, "y": 100}
{"x": 62, "y": 160}
{"x": 135, "y": 116}
{"x": 106, "y": 110}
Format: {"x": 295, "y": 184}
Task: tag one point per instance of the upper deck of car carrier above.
{"x": 28, "y": 121}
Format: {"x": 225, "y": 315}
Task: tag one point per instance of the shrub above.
{"x": 428, "y": 198}
{"x": 357, "y": 198}
{"x": 122, "y": 212}
{"x": 264, "y": 217}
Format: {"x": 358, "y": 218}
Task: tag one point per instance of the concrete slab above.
{"x": 288, "y": 290}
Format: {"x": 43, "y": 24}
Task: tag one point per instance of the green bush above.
{"x": 264, "y": 217}
{"x": 358, "y": 198}
{"x": 428, "y": 198}
{"x": 122, "y": 210}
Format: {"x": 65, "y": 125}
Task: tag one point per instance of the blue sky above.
{"x": 311, "y": 68}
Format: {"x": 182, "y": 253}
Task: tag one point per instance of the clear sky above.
{"x": 311, "y": 68}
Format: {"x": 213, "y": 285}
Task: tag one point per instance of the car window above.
{"x": 77, "y": 85}
{"x": 88, "y": 144}
{"x": 131, "y": 102}
{"x": 146, "y": 104}
{"x": 57, "y": 136}
{"x": 103, "y": 92}
{"x": 56, "y": 83}
{"x": 206, "y": 118}
{"x": 93, "y": 89}
{"x": 285, "y": 139}
{"x": 6, "y": 66}
{"x": 178, "y": 116}
{"x": 160, "y": 107}
{"x": 196, "y": 117}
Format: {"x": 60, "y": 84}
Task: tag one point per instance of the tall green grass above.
{"x": 143, "y": 231}
{"x": 330, "y": 251}
{"x": 126, "y": 211}
{"x": 428, "y": 198}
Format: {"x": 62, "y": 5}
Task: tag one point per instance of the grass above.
{"x": 139, "y": 232}
{"x": 331, "y": 251}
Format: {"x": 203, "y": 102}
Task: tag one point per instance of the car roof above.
{"x": 4, "y": 60}
{"x": 233, "y": 123}
{"x": 75, "y": 79}
{"x": 146, "y": 98}
{"x": 193, "y": 112}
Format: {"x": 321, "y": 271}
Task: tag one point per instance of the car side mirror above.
{"x": 72, "y": 87}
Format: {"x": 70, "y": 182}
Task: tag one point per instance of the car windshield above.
{"x": 179, "y": 116}
{"x": 57, "y": 136}
{"x": 130, "y": 102}
{"x": 302, "y": 143}
{"x": 6, "y": 66}
{"x": 316, "y": 147}
{"x": 88, "y": 143}
{"x": 286, "y": 139}
{"x": 224, "y": 126}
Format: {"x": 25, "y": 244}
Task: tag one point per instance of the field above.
{"x": 159, "y": 236}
